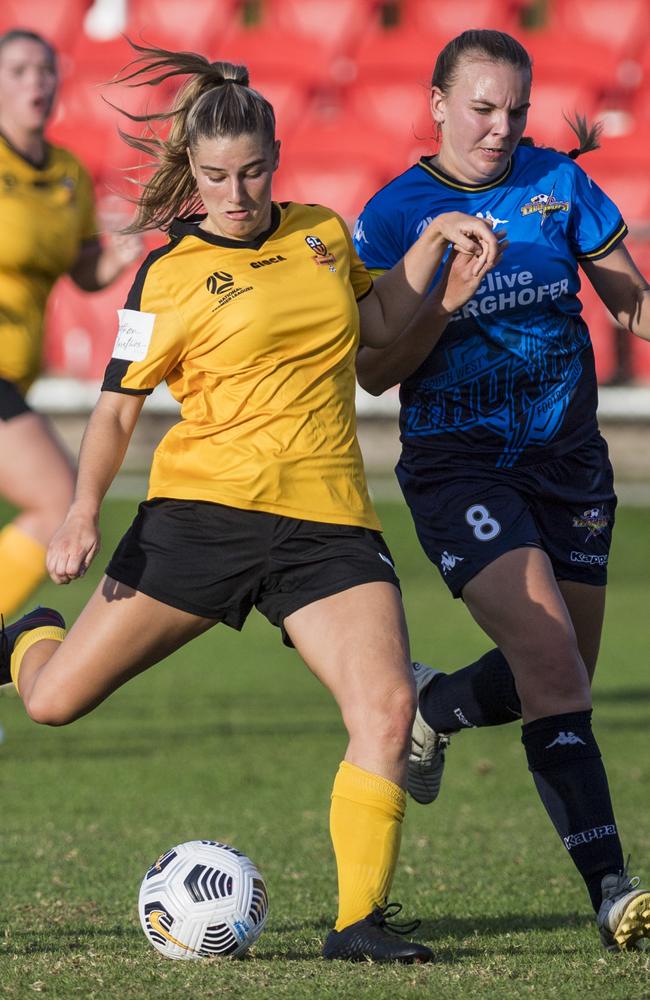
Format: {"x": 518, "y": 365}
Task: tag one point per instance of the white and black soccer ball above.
{"x": 203, "y": 899}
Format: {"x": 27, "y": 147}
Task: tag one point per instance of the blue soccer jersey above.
{"x": 512, "y": 379}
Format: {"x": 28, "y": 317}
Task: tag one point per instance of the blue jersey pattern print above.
{"x": 512, "y": 379}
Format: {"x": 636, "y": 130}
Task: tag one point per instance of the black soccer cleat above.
{"x": 371, "y": 940}
{"x": 38, "y": 618}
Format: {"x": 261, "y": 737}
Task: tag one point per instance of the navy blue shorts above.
{"x": 12, "y": 401}
{"x": 219, "y": 562}
{"x": 467, "y": 515}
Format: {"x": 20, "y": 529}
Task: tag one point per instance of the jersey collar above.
{"x": 36, "y": 164}
{"x": 189, "y": 226}
{"x": 451, "y": 182}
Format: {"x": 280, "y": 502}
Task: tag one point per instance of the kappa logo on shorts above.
{"x": 448, "y": 561}
{"x": 594, "y": 520}
{"x": 386, "y": 560}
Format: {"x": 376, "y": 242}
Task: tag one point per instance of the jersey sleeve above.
{"x": 596, "y": 225}
{"x": 360, "y": 278}
{"x": 375, "y": 240}
{"x": 151, "y": 338}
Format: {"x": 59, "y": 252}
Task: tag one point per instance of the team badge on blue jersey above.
{"x": 545, "y": 204}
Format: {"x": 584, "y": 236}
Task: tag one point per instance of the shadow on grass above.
{"x": 66, "y": 941}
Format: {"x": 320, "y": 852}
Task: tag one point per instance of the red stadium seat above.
{"x": 571, "y": 58}
{"x": 337, "y": 25}
{"x": 200, "y": 26}
{"x": 80, "y": 328}
{"x": 398, "y": 54}
{"x": 59, "y": 23}
{"x": 450, "y": 17}
{"x": 549, "y": 103}
{"x": 280, "y": 55}
{"x": 290, "y": 101}
{"x": 341, "y": 186}
{"x": 400, "y": 108}
{"x": 348, "y": 140}
{"x": 622, "y": 25}
{"x": 602, "y": 329}
{"x": 628, "y": 185}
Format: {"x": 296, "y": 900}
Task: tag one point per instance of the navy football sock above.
{"x": 482, "y": 694}
{"x": 569, "y": 774}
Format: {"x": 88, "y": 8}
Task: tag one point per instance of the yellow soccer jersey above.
{"x": 257, "y": 340}
{"x": 47, "y": 212}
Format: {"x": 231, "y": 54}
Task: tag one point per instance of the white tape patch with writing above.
{"x": 133, "y": 334}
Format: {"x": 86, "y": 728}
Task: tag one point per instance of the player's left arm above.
{"x": 100, "y": 262}
{"x": 622, "y": 288}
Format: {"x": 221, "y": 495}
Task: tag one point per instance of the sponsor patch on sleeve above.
{"x": 133, "y": 334}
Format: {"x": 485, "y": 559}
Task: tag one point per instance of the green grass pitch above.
{"x": 233, "y": 739}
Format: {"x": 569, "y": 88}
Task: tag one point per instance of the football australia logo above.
{"x": 219, "y": 282}
{"x": 321, "y": 254}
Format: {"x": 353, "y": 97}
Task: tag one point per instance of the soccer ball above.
{"x": 203, "y": 899}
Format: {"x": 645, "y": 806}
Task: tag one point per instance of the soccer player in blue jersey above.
{"x": 503, "y": 465}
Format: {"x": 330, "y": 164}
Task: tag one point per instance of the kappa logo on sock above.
{"x": 586, "y": 836}
{"x": 565, "y": 740}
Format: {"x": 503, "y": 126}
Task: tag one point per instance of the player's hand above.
{"x": 470, "y": 236}
{"x": 461, "y": 278}
{"x": 73, "y": 548}
{"x": 123, "y": 248}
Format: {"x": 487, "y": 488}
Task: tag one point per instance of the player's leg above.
{"x": 356, "y": 643}
{"x": 36, "y": 476}
{"x": 119, "y": 634}
{"x": 517, "y": 601}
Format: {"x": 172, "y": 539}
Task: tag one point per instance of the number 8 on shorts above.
{"x": 484, "y": 527}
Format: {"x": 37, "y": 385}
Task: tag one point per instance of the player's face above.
{"x": 482, "y": 117}
{"x": 233, "y": 175}
{"x": 28, "y": 82}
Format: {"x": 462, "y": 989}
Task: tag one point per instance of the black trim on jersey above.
{"x": 458, "y": 185}
{"x": 116, "y": 369}
{"x": 37, "y": 165}
{"x": 610, "y": 243}
{"x": 135, "y": 293}
{"x": 189, "y": 226}
{"x": 362, "y": 297}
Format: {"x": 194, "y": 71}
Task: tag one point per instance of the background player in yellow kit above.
{"x": 48, "y": 229}
{"x": 257, "y": 497}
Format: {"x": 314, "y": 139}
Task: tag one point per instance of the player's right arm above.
{"x": 104, "y": 445}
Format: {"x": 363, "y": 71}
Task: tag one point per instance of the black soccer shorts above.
{"x": 219, "y": 562}
{"x": 466, "y": 515}
{"x": 12, "y": 401}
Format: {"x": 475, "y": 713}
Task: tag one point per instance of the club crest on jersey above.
{"x": 594, "y": 520}
{"x": 545, "y": 205}
{"x": 321, "y": 254}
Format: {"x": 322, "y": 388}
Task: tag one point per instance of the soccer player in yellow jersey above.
{"x": 252, "y": 313}
{"x": 48, "y": 229}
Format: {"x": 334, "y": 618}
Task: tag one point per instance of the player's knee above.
{"x": 390, "y": 721}
{"x": 48, "y": 711}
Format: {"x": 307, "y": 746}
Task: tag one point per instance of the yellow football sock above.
{"x": 365, "y": 826}
{"x": 26, "y": 641}
{"x": 22, "y": 567}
